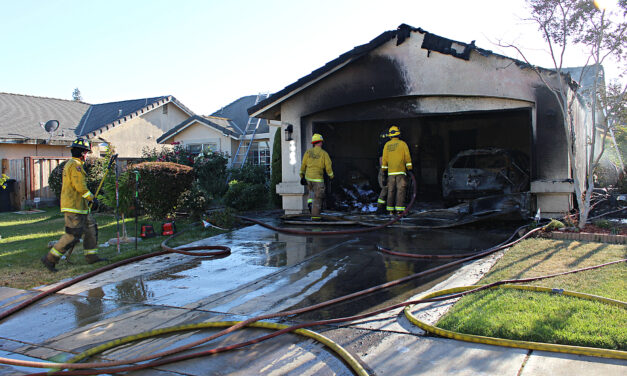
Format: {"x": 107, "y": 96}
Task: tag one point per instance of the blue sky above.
{"x": 209, "y": 53}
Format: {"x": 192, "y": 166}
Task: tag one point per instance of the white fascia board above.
{"x": 299, "y": 89}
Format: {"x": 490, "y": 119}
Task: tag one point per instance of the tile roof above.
{"x": 236, "y": 111}
{"x": 107, "y": 115}
{"x": 223, "y": 125}
{"x": 20, "y": 116}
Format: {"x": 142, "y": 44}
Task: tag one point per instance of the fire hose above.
{"x": 342, "y": 232}
{"x": 225, "y": 251}
{"x": 454, "y": 293}
{"x": 235, "y": 327}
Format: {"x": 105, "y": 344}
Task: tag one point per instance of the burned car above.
{"x": 484, "y": 172}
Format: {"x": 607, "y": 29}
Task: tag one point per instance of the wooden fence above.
{"x": 31, "y": 175}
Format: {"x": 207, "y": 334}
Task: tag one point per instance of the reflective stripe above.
{"x": 408, "y": 164}
{"x": 316, "y": 180}
{"x": 77, "y": 211}
{"x": 396, "y": 173}
{"x": 91, "y": 251}
{"x": 87, "y": 194}
{"x": 316, "y": 217}
{"x": 310, "y": 200}
{"x": 380, "y": 201}
{"x": 385, "y": 167}
{"x": 390, "y": 208}
{"x": 55, "y": 253}
{"x": 400, "y": 208}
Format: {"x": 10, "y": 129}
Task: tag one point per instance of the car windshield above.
{"x": 481, "y": 161}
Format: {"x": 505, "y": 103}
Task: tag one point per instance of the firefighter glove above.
{"x": 95, "y": 204}
{"x": 303, "y": 181}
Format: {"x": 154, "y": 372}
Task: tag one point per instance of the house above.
{"x": 131, "y": 125}
{"x": 228, "y": 130}
{"x": 446, "y": 96}
{"x": 29, "y": 153}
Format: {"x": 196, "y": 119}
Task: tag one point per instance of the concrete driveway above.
{"x": 271, "y": 272}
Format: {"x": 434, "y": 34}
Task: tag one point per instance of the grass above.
{"x": 24, "y": 240}
{"x": 550, "y": 318}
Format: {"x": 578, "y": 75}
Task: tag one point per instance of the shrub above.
{"x": 210, "y": 169}
{"x": 126, "y": 192}
{"x": 194, "y": 201}
{"x": 245, "y": 196}
{"x": 94, "y": 167}
{"x": 276, "y": 174}
{"x": 249, "y": 173}
{"x": 223, "y": 218}
{"x": 177, "y": 154}
{"x": 160, "y": 186}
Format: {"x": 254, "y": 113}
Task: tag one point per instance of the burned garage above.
{"x": 476, "y": 123}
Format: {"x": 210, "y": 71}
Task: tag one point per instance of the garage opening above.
{"x": 434, "y": 141}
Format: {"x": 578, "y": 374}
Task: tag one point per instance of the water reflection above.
{"x": 90, "y": 308}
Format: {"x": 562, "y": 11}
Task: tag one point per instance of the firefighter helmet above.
{"x": 81, "y": 143}
{"x": 317, "y": 137}
{"x": 394, "y": 131}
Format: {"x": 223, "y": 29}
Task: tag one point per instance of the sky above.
{"x": 209, "y": 53}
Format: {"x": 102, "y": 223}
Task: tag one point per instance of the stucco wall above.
{"x": 198, "y": 133}
{"x": 131, "y": 137}
{"x": 166, "y": 121}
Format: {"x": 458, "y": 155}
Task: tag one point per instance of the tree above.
{"x": 76, "y": 95}
{"x": 585, "y": 25}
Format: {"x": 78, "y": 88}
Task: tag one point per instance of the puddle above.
{"x": 270, "y": 272}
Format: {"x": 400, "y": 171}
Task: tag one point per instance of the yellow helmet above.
{"x": 316, "y": 138}
{"x": 394, "y": 131}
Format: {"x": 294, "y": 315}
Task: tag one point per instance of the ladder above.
{"x": 241, "y": 154}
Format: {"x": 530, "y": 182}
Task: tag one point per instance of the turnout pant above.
{"x": 384, "y": 189}
{"x": 316, "y": 195}
{"x": 77, "y": 226}
{"x": 397, "y": 186}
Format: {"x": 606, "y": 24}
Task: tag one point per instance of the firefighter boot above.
{"x": 93, "y": 258}
{"x": 48, "y": 264}
{"x": 380, "y": 209}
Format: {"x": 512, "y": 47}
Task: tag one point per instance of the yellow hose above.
{"x": 567, "y": 349}
{"x": 339, "y": 350}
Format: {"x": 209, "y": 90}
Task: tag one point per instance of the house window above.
{"x": 196, "y": 149}
{"x": 165, "y": 109}
{"x": 260, "y": 154}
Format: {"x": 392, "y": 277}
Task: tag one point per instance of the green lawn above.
{"x": 550, "y": 318}
{"x": 24, "y": 240}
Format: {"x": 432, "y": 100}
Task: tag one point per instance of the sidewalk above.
{"x": 274, "y": 272}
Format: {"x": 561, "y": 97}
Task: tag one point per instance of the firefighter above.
{"x": 395, "y": 163}
{"x": 75, "y": 200}
{"x": 382, "y": 200}
{"x": 315, "y": 162}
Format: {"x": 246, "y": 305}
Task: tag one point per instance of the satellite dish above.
{"x": 51, "y": 126}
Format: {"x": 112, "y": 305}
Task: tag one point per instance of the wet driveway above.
{"x": 266, "y": 272}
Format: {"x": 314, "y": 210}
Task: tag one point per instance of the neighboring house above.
{"x": 29, "y": 153}
{"x": 229, "y": 131}
{"x": 133, "y": 125}
{"x": 204, "y": 133}
{"x": 446, "y": 96}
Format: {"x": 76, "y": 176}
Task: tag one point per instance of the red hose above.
{"x": 342, "y": 232}
{"x": 224, "y": 251}
{"x": 294, "y": 312}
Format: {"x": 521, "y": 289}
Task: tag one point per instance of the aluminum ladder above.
{"x": 241, "y": 154}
